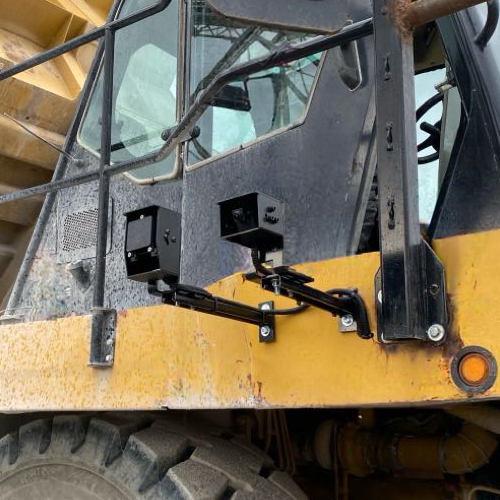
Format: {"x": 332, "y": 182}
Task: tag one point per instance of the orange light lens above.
{"x": 474, "y": 369}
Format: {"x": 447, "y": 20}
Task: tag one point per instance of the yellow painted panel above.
{"x": 181, "y": 359}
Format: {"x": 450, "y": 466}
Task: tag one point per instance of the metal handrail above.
{"x": 99, "y": 352}
{"x": 181, "y": 131}
{"x": 78, "y": 41}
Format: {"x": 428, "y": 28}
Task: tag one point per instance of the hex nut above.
{"x": 347, "y": 321}
{"x": 436, "y": 333}
{"x": 265, "y": 331}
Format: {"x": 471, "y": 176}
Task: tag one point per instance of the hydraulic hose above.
{"x": 364, "y": 451}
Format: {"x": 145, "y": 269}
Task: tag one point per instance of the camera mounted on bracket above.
{"x": 255, "y": 221}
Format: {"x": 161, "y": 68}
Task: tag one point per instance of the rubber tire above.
{"x": 123, "y": 457}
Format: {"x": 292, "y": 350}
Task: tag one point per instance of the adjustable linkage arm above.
{"x": 339, "y": 302}
{"x": 285, "y": 282}
{"x": 198, "y": 299}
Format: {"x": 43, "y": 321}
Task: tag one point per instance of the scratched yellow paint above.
{"x": 168, "y": 357}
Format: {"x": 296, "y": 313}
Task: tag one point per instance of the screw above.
{"x": 434, "y": 289}
{"x": 276, "y": 287}
{"x": 436, "y": 333}
{"x": 142, "y": 216}
{"x": 347, "y": 320}
{"x": 109, "y": 357}
{"x": 265, "y": 307}
{"x": 109, "y": 342}
{"x": 129, "y": 255}
{"x": 150, "y": 249}
{"x": 265, "y": 331}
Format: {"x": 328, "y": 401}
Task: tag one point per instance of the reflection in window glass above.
{"x": 145, "y": 90}
{"x": 246, "y": 109}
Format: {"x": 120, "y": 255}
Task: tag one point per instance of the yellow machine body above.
{"x": 168, "y": 357}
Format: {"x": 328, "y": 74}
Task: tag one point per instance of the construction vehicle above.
{"x": 228, "y": 293}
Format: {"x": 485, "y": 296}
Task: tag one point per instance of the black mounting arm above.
{"x": 339, "y": 302}
{"x": 198, "y": 299}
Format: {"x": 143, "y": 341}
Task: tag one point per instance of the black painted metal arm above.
{"x": 198, "y": 299}
{"x": 288, "y": 283}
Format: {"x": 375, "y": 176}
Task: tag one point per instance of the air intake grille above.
{"x": 80, "y": 230}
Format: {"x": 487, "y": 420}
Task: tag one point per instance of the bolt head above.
{"x": 150, "y": 249}
{"x": 436, "y": 333}
{"x": 265, "y": 307}
{"x": 129, "y": 255}
{"x": 109, "y": 357}
{"x": 347, "y": 320}
{"x": 265, "y": 331}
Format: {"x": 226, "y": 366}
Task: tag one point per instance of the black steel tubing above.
{"x": 97, "y": 337}
{"x": 222, "y": 307}
{"x": 490, "y": 26}
{"x": 316, "y": 298}
{"x": 84, "y": 39}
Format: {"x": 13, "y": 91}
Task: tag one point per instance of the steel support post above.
{"x": 102, "y": 329}
{"x": 409, "y": 305}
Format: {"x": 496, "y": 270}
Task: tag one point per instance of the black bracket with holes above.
{"x": 292, "y": 284}
{"x": 198, "y": 299}
{"x": 102, "y": 346}
{"x": 410, "y": 286}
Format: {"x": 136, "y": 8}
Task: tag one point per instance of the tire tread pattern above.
{"x": 164, "y": 459}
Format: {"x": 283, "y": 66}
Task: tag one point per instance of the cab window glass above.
{"x": 428, "y": 173}
{"x": 144, "y": 91}
{"x": 248, "y": 108}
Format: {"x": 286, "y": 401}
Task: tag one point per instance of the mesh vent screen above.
{"x": 80, "y": 230}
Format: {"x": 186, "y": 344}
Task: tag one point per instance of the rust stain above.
{"x": 399, "y": 10}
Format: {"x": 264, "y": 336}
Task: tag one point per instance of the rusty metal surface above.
{"x": 167, "y": 357}
{"x": 424, "y": 11}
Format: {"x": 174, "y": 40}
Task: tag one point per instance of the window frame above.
{"x": 257, "y": 140}
{"x": 183, "y": 96}
{"x": 180, "y": 92}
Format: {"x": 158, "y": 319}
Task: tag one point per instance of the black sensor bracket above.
{"x": 198, "y": 299}
{"x": 339, "y": 302}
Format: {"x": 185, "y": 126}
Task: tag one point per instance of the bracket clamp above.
{"x": 103, "y": 334}
{"x": 198, "y": 299}
{"x": 292, "y": 284}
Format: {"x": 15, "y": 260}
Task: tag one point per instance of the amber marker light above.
{"x": 474, "y": 369}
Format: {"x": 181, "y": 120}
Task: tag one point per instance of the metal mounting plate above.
{"x": 102, "y": 347}
{"x": 267, "y": 332}
{"x": 433, "y": 296}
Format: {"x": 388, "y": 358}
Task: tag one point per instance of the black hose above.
{"x": 423, "y": 160}
{"x": 490, "y": 26}
{"x": 430, "y": 103}
{"x": 261, "y": 270}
